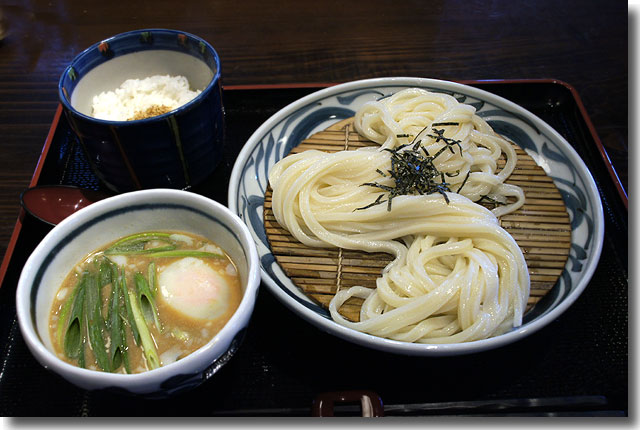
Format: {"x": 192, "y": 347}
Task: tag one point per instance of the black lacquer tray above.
{"x": 577, "y": 365}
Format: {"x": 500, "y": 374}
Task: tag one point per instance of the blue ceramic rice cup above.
{"x": 177, "y": 149}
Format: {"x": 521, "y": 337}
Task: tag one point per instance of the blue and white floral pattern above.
{"x": 313, "y": 113}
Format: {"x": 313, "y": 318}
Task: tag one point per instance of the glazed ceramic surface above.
{"x": 53, "y": 203}
{"x": 174, "y": 150}
{"x": 283, "y": 131}
{"x": 110, "y": 219}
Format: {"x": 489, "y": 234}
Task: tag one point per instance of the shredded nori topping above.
{"x": 413, "y": 170}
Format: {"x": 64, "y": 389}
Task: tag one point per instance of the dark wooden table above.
{"x": 583, "y": 43}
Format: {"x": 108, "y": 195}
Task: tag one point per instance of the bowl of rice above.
{"x": 146, "y": 107}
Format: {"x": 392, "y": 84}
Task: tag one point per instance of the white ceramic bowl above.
{"x": 106, "y": 221}
{"x": 317, "y": 111}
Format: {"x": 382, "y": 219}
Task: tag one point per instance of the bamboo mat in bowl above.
{"x": 541, "y": 227}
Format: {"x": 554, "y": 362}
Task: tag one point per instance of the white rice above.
{"x": 139, "y": 95}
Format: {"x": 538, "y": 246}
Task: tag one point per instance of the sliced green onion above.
{"x": 153, "y": 282}
{"x": 128, "y": 248}
{"x": 123, "y": 346}
{"x": 74, "y": 333}
{"x": 185, "y": 253}
{"x": 139, "y": 250}
{"x": 113, "y": 268}
{"x": 118, "y": 321}
{"x": 147, "y": 343}
{"x": 150, "y": 235}
{"x": 105, "y": 272}
{"x": 130, "y": 317}
{"x": 95, "y": 322}
{"x": 83, "y": 344}
{"x": 146, "y": 300}
{"x": 135, "y": 243}
{"x": 64, "y": 315}
{"x": 116, "y": 328}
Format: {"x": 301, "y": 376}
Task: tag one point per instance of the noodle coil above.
{"x": 456, "y": 275}
{"x": 433, "y": 119}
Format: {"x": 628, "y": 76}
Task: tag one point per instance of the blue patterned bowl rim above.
{"x": 292, "y": 124}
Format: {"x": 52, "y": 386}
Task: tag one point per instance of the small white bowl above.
{"x": 106, "y": 221}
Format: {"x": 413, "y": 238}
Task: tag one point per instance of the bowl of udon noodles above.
{"x": 418, "y": 216}
{"x": 145, "y": 293}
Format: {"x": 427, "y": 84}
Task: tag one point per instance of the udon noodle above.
{"x": 457, "y": 275}
{"x": 436, "y": 120}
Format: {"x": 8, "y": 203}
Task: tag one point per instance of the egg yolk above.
{"x": 194, "y": 288}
